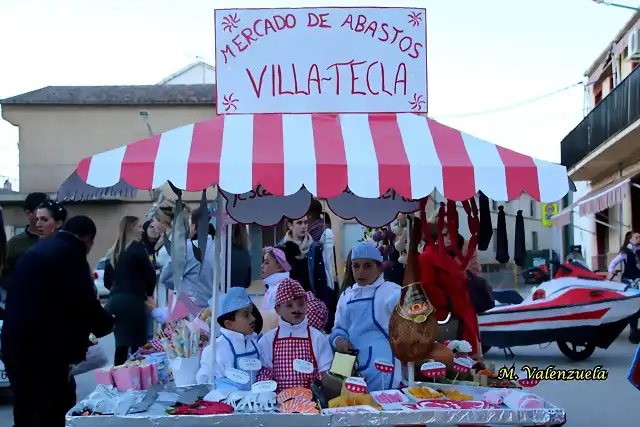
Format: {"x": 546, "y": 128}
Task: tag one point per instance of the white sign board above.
{"x": 321, "y": 60}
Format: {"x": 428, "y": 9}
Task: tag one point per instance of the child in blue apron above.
{"x": 363, "y": 315}
{"x": 236, "y": 347}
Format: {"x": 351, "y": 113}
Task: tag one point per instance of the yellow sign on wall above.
{"x": 548, "y": 211}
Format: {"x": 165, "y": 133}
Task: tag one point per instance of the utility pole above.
{"x": 204, "y": 69}
{"x": 621, "y": 6}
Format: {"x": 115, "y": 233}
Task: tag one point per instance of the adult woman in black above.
{"x": 308, "y": 267}
{"x": 149, "y": 239}
{"x": 131, "y": 278}
{"x": 50, "y": 217}
{"x": 240, "y": 257}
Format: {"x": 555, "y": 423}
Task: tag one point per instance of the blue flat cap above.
{"x": 364, "y": 250}
{"x": 234, "y": 300}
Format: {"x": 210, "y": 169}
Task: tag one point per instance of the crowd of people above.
{"x": 51, "y": 310}
{"x": 306, "y": 310}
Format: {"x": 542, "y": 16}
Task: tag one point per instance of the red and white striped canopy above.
{"x": 327, "y": 153}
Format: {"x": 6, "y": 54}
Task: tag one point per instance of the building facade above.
{"x": 58, "y": 126}
{"x": 196, "y": 73}
{"x": 602, "y": 153}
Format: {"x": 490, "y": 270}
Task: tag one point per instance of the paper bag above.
{"x": 146, "y": 380}
{"x": 127, "y": 378}
{"x": 154, "y": 374}
{"x": 104, "y": 376}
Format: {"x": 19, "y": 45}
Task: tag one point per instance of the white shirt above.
{"x": 385, "y": 302}
{"x": 617, "y": 260}
{"x": 269, "y": 301}
{"x": 163, "y": 257}
{"x": 327, "y": 242}
{"x": 224, "y": 354}
{"x": 622, "y": 256}
{"x": 320, "y": 343}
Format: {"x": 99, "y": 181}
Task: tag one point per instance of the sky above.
{"x": 482, "y": 55}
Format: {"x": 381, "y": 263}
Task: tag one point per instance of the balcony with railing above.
{"x": 609, "y": 136}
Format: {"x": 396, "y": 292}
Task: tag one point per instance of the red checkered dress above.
{"x": 285, "y": 351}
{"x": 317, "y": 312}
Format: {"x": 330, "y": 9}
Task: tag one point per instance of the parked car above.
{"x": 98, "y": 278}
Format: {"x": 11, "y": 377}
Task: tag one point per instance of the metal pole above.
{"x": 621, "y": 6}
{"x": 620, "y": 212}
{"x": 220, "y": 207}
{"x": 227, "y": 257}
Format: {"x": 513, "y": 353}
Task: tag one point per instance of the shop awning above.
{"x": 595, "y": 201}
{"x": 326, "y": 154}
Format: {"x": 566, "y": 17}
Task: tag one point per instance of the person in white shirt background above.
{"x": 319, "y": 227}
{"x": 198, "y": 272}
{"x": 236, "y": 347}
{"x": 294, "y": 354}
{"x": 628, "y": 257}
{"x": 276, "y": 268}
{"x": 363, "y": 315}
{"x": 162, "y": 220}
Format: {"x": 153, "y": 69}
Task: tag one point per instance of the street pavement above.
{"x": 597, "y": 404}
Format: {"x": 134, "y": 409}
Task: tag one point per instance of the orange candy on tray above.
{"x": 299, "y": 406}
{"x": 297, "y": 400}
{"x": 294, "y": 393}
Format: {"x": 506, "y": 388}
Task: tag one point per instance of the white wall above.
{"x": 584, "y": 227}
{"x": 532, "y": 213}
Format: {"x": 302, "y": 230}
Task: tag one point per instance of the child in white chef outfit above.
{"x": 363, "y": 315}
{"x": 236, "y": 347}
{"x": 294, "y": 354}
{"x": 276, "y": 268}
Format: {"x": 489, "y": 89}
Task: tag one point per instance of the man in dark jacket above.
{"x": 3, "y": 241}
{"x": 51, "y": 310}
{"x": 19, "y": 243}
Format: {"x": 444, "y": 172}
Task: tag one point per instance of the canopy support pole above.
{"x": 606, "y": 224}
{"x": 411, "y": 368}
{"x": 582, "y": 229}
{"x": 220, "y": 209}
{"x": 227, "y": 256}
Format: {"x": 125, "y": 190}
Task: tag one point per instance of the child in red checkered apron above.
{"x": 295, "y": 353}
{"x": 317, "y": 312}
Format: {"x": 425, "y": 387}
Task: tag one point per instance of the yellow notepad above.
{"x": 343, "y": 365}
